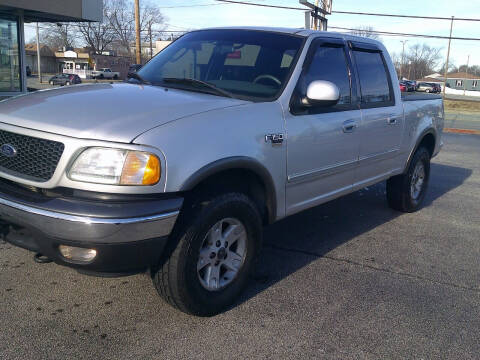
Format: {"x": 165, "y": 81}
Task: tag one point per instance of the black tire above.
{"x": 176, "y": 278}
{"x": 68, "y": 83}
{"x": 51, "y": 83}
{"x": 399, "y": 194}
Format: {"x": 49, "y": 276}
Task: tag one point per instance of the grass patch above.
{"x": 461, "y": 105}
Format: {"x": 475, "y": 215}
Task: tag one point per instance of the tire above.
{"x": 101, "y": 76}
{"x": 402, "y": 194}
{"x": 427, "y": 91}
{"x": 68, "y": 83}
{"x": 180, "y": 277}
{"x": 51, "y": 83}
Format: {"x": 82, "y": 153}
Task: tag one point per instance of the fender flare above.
{"x": 420, "y": 138}
{"x": 243, "y": 163}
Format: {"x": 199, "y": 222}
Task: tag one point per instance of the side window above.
{"x": 374, "y": 80}
{"x": 329, "y": 63}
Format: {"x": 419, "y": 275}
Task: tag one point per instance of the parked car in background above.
{"x": 411, "y": 86}
{"x": 426, "y": 87}
{"x": 132, "y": 69}
{"x": 65, "y": 79}
{"x": 403, "y": 87}
{"x": 115, "y": 189}
{"x": 28, "y": 70}
{"x": 105, "y": 73}
{"x": 437, "y": 87}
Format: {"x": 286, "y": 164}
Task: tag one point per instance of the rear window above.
{"x": 374, "y": 79}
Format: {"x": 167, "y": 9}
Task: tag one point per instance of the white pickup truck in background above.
{"x": 105, "y": 73}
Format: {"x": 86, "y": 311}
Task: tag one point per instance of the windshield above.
{"x": 246, "y": 64}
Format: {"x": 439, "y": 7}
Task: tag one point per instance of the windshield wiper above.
{"x": 139, "y": 78}
{"x": 189, "y": 81}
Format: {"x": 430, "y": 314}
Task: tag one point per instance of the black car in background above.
{"x": 133, "y": 68}
{"x": 412, "y": 85}
{"x": 65, "y": 79}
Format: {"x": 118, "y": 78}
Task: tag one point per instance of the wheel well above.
{"x": 428, "y": 142}
{"x": 245, "y": 181}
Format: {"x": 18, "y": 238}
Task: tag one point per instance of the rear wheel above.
{"x": 407, "y": 191}
{"x": 51, "y": 82}
{"x": 68, "y": 83}
{"x": 213, "y": 251}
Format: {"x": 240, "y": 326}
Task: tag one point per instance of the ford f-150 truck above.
{"x": 226, "y": 130}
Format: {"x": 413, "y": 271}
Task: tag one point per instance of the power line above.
{"x": 406, "y": 34}
{"x": 262, "y": 5}
{"x": 348, "y": 12}
{"x": 405, "y": 16}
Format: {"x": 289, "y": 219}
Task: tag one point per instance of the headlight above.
{"x": 116, "y": 167}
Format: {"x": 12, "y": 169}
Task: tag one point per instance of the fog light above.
{"x": 77, "y": 254}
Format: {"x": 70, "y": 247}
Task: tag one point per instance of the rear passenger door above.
{"x": 382, "y": 122}
{"x": 323, "y": 142}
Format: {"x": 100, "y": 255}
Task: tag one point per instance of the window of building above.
{"x": 459, "y": 83}
{"x": 474, "y": 83}
{"x": 374, "y": 80}
{"x": 10, "y": 80}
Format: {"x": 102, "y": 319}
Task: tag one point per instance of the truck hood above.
{"x": 111, "y": 112}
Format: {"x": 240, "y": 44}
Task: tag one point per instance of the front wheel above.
{"x": 213, "y": 251}
{"x": 407, "y": 191}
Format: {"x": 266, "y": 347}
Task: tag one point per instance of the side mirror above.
{"x": 321, "y": 93}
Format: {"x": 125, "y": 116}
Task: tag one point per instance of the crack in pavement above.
{"x": 371, "y": 267}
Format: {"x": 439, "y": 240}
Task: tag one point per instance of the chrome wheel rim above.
{"x": 418, "y": 178}
{"x": 222, "y": 254}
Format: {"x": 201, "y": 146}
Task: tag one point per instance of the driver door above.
{"x": 323, "y": 142}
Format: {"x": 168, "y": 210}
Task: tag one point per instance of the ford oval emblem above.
{"x": 8, "y": 150}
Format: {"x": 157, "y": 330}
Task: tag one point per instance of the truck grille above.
{"x": 35, "y": 159}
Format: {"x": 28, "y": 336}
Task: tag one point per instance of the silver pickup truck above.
{"x": 226, "y": 130}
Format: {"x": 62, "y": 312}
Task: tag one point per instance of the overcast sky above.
{"x": 181, "y": 16}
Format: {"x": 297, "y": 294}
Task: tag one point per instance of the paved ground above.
{"x": 462, "y": 120}
{"x": 350, "y": 279}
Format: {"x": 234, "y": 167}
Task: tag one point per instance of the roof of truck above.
{"x": 295, "y": 31}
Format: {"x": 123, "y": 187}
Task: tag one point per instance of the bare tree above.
{"x": 122, "y": 20}
{"x": 98, "y": 36}
{"x": 365, "y": 31}
{"x": 58, "y": 35}
{"x": 422, "y": 60}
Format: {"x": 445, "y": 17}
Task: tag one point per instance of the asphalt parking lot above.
{"x": 347, "y": 280}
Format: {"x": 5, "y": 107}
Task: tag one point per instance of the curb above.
{"x": 461, "y": 131}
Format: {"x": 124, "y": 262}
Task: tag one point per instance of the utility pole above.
{"x": 315, "y": 21}
{"x": 38, "y": 57}
{"x": 138, "y": 46}
{"x": 318, "y": 13}
{"x": 448, "y": 56}
{"x": 150, "y": 35}
{"x": 466, "y": 72}
{"x": 403, "y": 57}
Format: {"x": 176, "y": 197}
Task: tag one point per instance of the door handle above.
{"x": 391, "y": 120}
{"x": 349, "y": 126}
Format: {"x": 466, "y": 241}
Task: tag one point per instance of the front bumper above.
{"x": 128, "y": 236}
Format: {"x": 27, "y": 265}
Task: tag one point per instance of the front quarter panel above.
{"x": 194, "y": 142}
